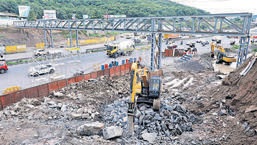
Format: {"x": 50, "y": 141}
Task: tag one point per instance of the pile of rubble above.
{"x": 71, "y": 115}
{"x": 171, "y": 120}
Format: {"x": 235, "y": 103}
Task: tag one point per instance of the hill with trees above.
{"x": 98, "y": 8}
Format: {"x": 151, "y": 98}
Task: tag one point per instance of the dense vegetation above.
{"x": 97, "y": 8}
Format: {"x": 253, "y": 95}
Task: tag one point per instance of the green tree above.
{"x": 98, "y": 8}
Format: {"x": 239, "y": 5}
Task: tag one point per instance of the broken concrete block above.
{"x": 112, "y": 132}
{"x": 76, "y": 115}
{"x": 150, "y": 137}
{"x": 90, "y": 128}
{"x": 58, "y": 94}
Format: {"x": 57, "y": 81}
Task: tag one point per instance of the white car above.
{"x": 41, "y": 70}
{"x": 40, "y": 52}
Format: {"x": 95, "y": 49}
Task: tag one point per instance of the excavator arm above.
{"x": 135, "y": 88}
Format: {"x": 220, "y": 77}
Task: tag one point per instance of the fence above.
{"x": 46, "y": 89}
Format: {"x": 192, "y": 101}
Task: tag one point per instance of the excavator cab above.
{"x": 154, "y": 87}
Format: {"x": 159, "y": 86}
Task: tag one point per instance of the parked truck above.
{"x": 122, "y": 48}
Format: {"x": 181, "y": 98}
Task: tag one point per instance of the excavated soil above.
{"x": 238, "y": 96}
{"x": 199, "y": 106}
{"x": 13, "y": 36}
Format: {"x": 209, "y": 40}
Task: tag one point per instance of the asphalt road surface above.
{"x": 17, "y": 75}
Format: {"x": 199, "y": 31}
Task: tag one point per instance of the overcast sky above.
{"x": 222, "y": 6}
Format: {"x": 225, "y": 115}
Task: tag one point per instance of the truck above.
{"x": 115, "y": 49}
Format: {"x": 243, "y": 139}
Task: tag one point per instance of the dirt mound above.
{"x": 237, "y": 96}
{"x": 13, "y": 36}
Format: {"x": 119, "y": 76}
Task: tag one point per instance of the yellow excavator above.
{"x": 221, "y": 55}
{"x": 145, "y": 88}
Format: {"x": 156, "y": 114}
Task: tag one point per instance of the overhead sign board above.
{"x": 24, "y": 11}
{"x": 85, "y": 17}
{"x": 114, "y": 16}
{"x": 49, "y": 14}
{"x": 73, "y": 16}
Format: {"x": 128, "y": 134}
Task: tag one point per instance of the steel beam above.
{"x": 71, "y": 39}
{"x": 51, "y": 39}
{"x": 77, "y": 38}
{"x": 153, "y": 40}
{"x": 185, "y": 24}
{"x": 45, "y": 38}
{"x": 159, "y": 51}
{"x": 159, "y": 48}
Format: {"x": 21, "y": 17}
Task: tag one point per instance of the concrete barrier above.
{"x": 40, "y": 45}
{"x": 91, "y": 41}
{"x": 15, "y": 49}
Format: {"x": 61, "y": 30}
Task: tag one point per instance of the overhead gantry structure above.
{"x": 231, "y": 24}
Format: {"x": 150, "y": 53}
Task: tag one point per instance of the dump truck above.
{"x": 122, "y": 48}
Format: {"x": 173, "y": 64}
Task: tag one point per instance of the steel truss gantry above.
{"x": 231, "y": 24}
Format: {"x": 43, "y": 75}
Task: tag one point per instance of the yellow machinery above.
{"x": 221, "y": 55}
{"x": 145, "y": 88}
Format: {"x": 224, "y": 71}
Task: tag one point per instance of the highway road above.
{"x": 17, "y": 75}
{"x": 30, "y": 52}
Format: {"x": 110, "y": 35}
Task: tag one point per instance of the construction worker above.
{"x": 194, "y": 51}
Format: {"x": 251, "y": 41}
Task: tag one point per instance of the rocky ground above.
{"x": 199, "y": 106}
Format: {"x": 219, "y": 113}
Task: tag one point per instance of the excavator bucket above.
{"x": 130, "y": 124}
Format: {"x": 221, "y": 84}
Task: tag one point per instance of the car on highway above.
{"x": 3, "y": 67}
{"x": 41, "y": 70}
{"x": 198, "y": 41}
{"x": 40, "y": 52}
